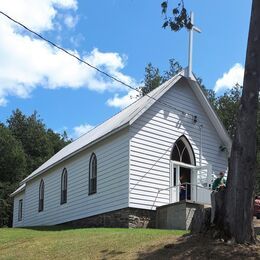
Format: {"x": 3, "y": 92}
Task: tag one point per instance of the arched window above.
{"x": 182, "y": 151}
{"x": 93, "y": 174}
{"x": 41, "y": 196}
{"x": 64, "y": 181}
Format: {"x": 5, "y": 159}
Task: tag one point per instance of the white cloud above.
{"x": 27, "y": 63}
{"x": 71, "y": 21}
{"x": 77, "y": 40}
{"x": 81, "y": 129}
{"x": 231, "y": 78}
{"x": 36, "y": 14}
{"x": 123, "y": 101}
{"x": 3, "y": 102}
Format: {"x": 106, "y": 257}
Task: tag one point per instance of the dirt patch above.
{"x": 200, "y": 247}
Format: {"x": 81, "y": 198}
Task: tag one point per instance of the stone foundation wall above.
{"x": 123, "y": 218}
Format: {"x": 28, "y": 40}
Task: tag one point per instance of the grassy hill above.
{"x": 93, "y": 243}
{"x": 110, "y": 243}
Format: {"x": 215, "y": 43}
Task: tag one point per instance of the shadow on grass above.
{"x": 66, "y": 227}
{"x": 200, "y": 247}
{"x": 107, "y": 254}
{"x": 51, "y": 228}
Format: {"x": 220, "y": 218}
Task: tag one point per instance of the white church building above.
{"x": 162, "y": 149}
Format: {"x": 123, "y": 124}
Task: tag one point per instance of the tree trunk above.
{"x": 239, "y": 195}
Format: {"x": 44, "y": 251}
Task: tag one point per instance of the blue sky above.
{"x": 118, "y": 36}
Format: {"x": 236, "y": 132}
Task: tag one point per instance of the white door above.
{"x": 174, "y": 183}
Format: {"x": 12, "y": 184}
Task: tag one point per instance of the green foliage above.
{"x": 210, "y": 93}
{"x": 227, "y": 107}
{"x": 25, "y": 144}
{"x": 178, "y": 19}
{"x": 12, "y": 157}
{"x": 154, "y": 79}
{"x": 38, "y": 143}
{"x": 174, "y": 68}
{"x": 12, "y": 169}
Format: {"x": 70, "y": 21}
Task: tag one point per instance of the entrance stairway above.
{"x": 177, "y": 215}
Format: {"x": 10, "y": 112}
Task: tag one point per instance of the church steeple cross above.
{"x": 191, "y": 30}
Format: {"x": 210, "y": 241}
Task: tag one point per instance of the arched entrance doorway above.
{"x": 181, "y": 178}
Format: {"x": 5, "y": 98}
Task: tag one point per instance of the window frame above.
{"x": 187, "y": 150}
{"x": 92, "y": 181}
{"x": 41, "y": 196}
{"x": 20, "y": 210}
{"x": 64, "y": 187}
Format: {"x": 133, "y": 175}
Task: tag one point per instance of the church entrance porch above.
{"x": 189, "y": 188}
{"x": 190, "y": 183}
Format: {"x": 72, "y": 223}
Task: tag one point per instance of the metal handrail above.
{"x": 184, "y": 183}
{"x": 179, "y": 185}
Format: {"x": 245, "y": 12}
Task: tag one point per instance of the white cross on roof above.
{"x": 193, "y": 28}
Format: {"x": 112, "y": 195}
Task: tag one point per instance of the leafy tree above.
{"x": 237, "y": 213}
{"x": 174, "y": 68}
{"x": 12, "y": 157}
{"x": 38, "y": 143}
{"x": 210, "y": 93}
{"x": 25, "y": 144}
{"x": 12, "y": 170}
{"x": 31, "y": 132}
{"x": 227, "y": 106}
{"x": 57, "y": 140}
{"x": 154, "y": 79}
{"x": 179, "y": 18}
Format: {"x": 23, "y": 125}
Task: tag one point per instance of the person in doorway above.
{"x": 182, "y": 188}
{"x": 219, "y": 183}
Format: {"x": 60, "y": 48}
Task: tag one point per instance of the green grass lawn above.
{"x": 84, "y": 243}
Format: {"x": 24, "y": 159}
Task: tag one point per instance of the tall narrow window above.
{"x": 20, "y": 210}
{"x": 64, "y": 180}
{"x": 93, "y": 174}
{"x": 41, "y": 196}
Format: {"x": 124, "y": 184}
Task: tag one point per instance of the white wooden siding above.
{"x": 18, "y": 197}
{"x": 112, "y": 185}
{"x": 153, "y": 136}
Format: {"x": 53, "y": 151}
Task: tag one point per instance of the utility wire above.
{"x": 67, "y": 52}
{"x": 92, "y": 66}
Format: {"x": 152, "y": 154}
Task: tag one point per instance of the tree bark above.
{"x": 239, "y": 195}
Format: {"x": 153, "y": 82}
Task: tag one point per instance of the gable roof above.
{"x": 125, "y": 118}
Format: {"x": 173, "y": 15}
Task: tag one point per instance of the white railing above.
{"x": 187, "y": 192}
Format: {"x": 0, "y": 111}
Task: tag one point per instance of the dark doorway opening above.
{"x": 185, "y": 180}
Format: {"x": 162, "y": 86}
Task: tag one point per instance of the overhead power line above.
{"x": 67, "y": 52}
{"x": 92, "y": 66}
